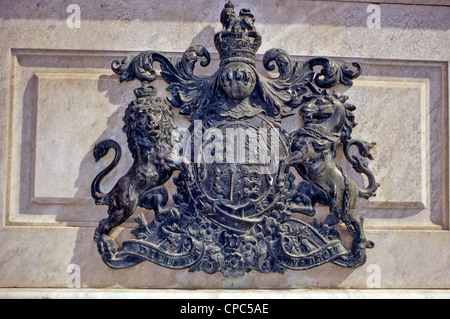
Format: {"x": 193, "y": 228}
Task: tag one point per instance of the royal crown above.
{"x": 238, "y": 41}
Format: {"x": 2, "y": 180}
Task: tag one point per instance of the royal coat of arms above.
{"x": 238, "y": 203}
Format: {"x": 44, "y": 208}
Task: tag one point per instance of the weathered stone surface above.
{"x": 58, "y": 96}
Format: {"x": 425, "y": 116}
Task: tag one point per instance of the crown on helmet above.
{"x": 238, "y": 41}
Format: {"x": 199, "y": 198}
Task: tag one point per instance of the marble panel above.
{"x": 58, "y": 97}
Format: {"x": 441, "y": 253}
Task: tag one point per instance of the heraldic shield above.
{"x": 246, "y": 188}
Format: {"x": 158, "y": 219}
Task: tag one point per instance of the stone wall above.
{"x": 58, "y": 97}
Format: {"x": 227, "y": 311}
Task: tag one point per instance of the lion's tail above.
{"x": 100, "y": 150}
{"x": 360, "y": 165}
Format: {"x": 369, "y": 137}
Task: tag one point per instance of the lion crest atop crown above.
{"x": 238, "y": 41}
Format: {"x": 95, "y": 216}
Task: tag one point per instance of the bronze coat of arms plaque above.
{"x": 238, "y": 203}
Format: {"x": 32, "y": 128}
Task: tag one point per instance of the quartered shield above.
{"x": 236, "y": 172}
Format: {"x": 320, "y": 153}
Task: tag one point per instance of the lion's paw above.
{"x": 107, "y": 246}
